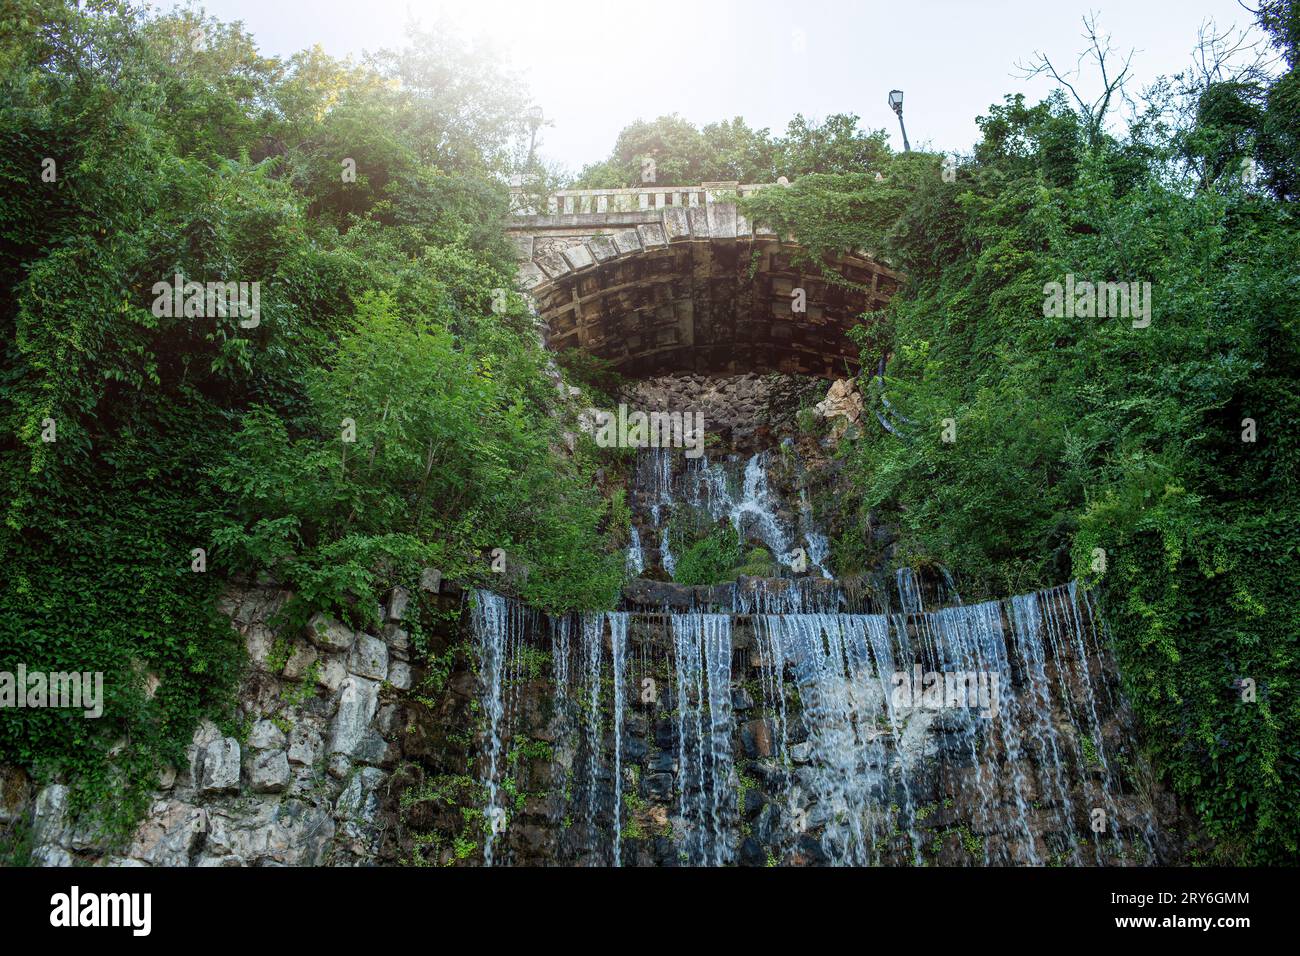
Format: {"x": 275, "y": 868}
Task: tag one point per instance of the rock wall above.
{"x": 742, "y": 412}
{"x": 304, "y": 781}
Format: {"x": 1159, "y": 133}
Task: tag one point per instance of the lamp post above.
{"x": 896, "y": 102}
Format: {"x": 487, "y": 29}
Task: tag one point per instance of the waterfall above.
{"x": 818, "y": 546}
{"x": 702, "y": 647}
{"x": 561, "y": 631}
{"x": 635, "y": 555}
{"x": 618, "y": 645}
{"x": 1040, "y": 728}
{"x": 716, "y": 635}
{"x": 490, "y": 622}
{"x": 909, "y": 591}
{"x": 872, "y": 721}
{"x": 771, "y": 660}
{"x": 862, "y": 744}
{"x": 752, "y": 514}
{"x": 591, "y": 652}
{"x": 818, "y": 551}
{"x": 666, "y": 553}
{"x": 787, "y": 596}
{"x": 723, "y": 489}
{"x": 950, "y": 595}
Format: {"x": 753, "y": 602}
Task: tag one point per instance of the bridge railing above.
{"x": 569, "y": 202}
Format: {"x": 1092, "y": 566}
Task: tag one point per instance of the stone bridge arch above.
{"x": 665, "y": 279}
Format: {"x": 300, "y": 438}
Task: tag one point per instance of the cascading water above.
{"x": 702, "y": 649}
{"x": 591, "y": 653}
{"x": 561, "y": 639}
{"x": 818, "y": 546}
{"x": 909, "y": 591}
{"x": 845, "y": 782}
{"x": 753, "y": 511}
{"x": 635, "y": 554}
{"x": 796, "y": 718}
{"x": 722, "y": 489}
{"x": 752, "y": 514}
{"x": 873, "y": 719}
{"x": 618, "y": 645}
{"x": 490, "y": 620}
{"x": 666, "y": 553}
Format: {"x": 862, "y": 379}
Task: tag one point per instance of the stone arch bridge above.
{"x": 664, "y": 279}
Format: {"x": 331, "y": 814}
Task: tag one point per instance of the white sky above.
{"x": 597, "y": 65}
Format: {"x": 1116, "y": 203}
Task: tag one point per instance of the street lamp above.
{"x": 896, "y": 103}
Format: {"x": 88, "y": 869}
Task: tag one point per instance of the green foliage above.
{"x": 595, "y": 374}
{"x": 189, "y": 432}
{"x": 729, "y": 150}
{"x": 711, "y": 559}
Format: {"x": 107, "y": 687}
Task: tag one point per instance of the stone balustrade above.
{"x": 567, "y": 202}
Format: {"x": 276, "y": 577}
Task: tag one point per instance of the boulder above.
{"x": 328, "y": 633}
{"x": 358, "y": 702}
{"x": 283, "y": 832}
{"x": 332, "y": 674}
{"x": 170, "y": 835}
{"x": 304, "y": 744}
{"x": 399, "y": 601}
{"x": 300, "y": 661}
{"x": 265, "y": 735}
{"x": 358, "y": 801}
{"x": 268, "y": 771}
{"x": 756, "y": 738}
{"x": 751, "y": 854}
{"x": 369, "y": 657}
{"x": 397, "y": 639}
{"x": 659, "y": 787}
{"x": 844, "y": 402}
{"x": 219, "y": 772}
{"x": 399, "y": 675}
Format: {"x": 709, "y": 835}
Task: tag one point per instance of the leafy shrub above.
{"x": 711, "y": 559}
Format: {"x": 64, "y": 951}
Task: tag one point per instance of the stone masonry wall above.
{"x": 302, "y": 783}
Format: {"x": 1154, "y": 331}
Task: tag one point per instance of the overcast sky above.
{"x": 597, "y": 65}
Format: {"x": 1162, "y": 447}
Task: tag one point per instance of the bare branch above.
{"x": 1101, "y": 53}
